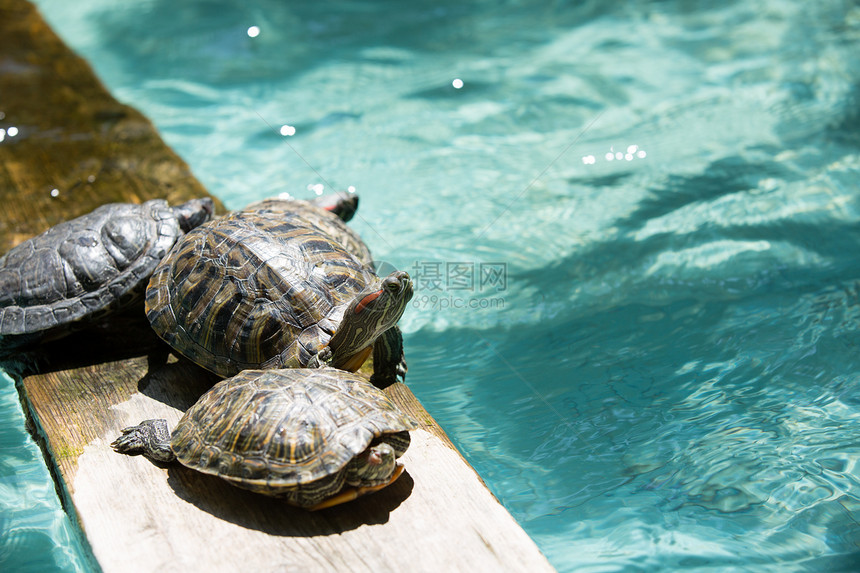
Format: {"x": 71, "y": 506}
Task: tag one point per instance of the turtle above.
{"x": 344, "y": 204}
{"x": 280, "y": 284}
{"x": 314, "y": 437}
{"x": 80, "y": 270}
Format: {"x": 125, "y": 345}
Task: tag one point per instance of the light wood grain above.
{"x": 141, "y": 517}
{"x": 80, "y": 391}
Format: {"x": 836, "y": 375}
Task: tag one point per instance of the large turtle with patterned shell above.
{"x": 79, "y": 270}
{"x": 280, "y": 284}
{"x": 314, "y": 437}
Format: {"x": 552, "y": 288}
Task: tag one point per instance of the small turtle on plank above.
{"x": 314, "y": 437}
{"x": 280, "y": 284}
{"x": 79, "y": 270}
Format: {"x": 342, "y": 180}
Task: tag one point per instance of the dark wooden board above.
{"x": 73, "y": 136}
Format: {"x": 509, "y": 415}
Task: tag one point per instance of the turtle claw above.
{"x": 150, "y": 438}
{"x": 401, "y": 370}
{"x": 382, "y": 378}
{"x": 321, "y": 359}
{"x": 129, "y": 442}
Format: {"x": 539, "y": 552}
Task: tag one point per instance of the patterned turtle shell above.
{"x": 310, "y": 212}
{"x": 289, "y": 433}
{"x": 83, "y": 268}
{"x": 268, "y": 287}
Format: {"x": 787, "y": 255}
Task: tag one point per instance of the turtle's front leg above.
{"x": 150, "y": 438}
{"x": 321, "y": 359}
{"x": 389, "y": 363}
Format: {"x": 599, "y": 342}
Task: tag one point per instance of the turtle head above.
{"x": 369, "y": 315}
{"x": 374, "y": 466}
{"x": 194, "y": 213}
{"x": 342, "y": 204}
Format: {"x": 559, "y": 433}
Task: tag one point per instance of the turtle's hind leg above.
{"x": 150, "y": 438}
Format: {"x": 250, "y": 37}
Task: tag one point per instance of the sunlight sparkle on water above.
{"x": 288, "y": 130}
{"x": 253, "y": 31}
{"x": 632, "y": 152}
{"x": 457, "y": 83}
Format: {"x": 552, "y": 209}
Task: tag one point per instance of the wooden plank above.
{"x": 139, "y": 516}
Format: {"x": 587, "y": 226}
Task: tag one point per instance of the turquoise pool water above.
{"x": 634, "y": 230}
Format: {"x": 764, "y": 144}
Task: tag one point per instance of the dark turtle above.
{"x": 81, "y": 269}
{"x": 281, "y": 284}
{"x": 316, "y": 437}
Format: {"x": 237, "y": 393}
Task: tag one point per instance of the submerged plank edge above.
{"x": 77, "y": 148}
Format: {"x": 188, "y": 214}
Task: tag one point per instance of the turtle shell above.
{"x": 84, "y": 267}
{"x": 264, "y": 287}
{"x": 288, "y": 433}
{"x": 331, "y": 226}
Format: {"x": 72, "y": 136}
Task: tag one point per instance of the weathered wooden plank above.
{"x": 147, "y": 516}
{"x": 139, "y": 516}
{"x": 143, "y": 517}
